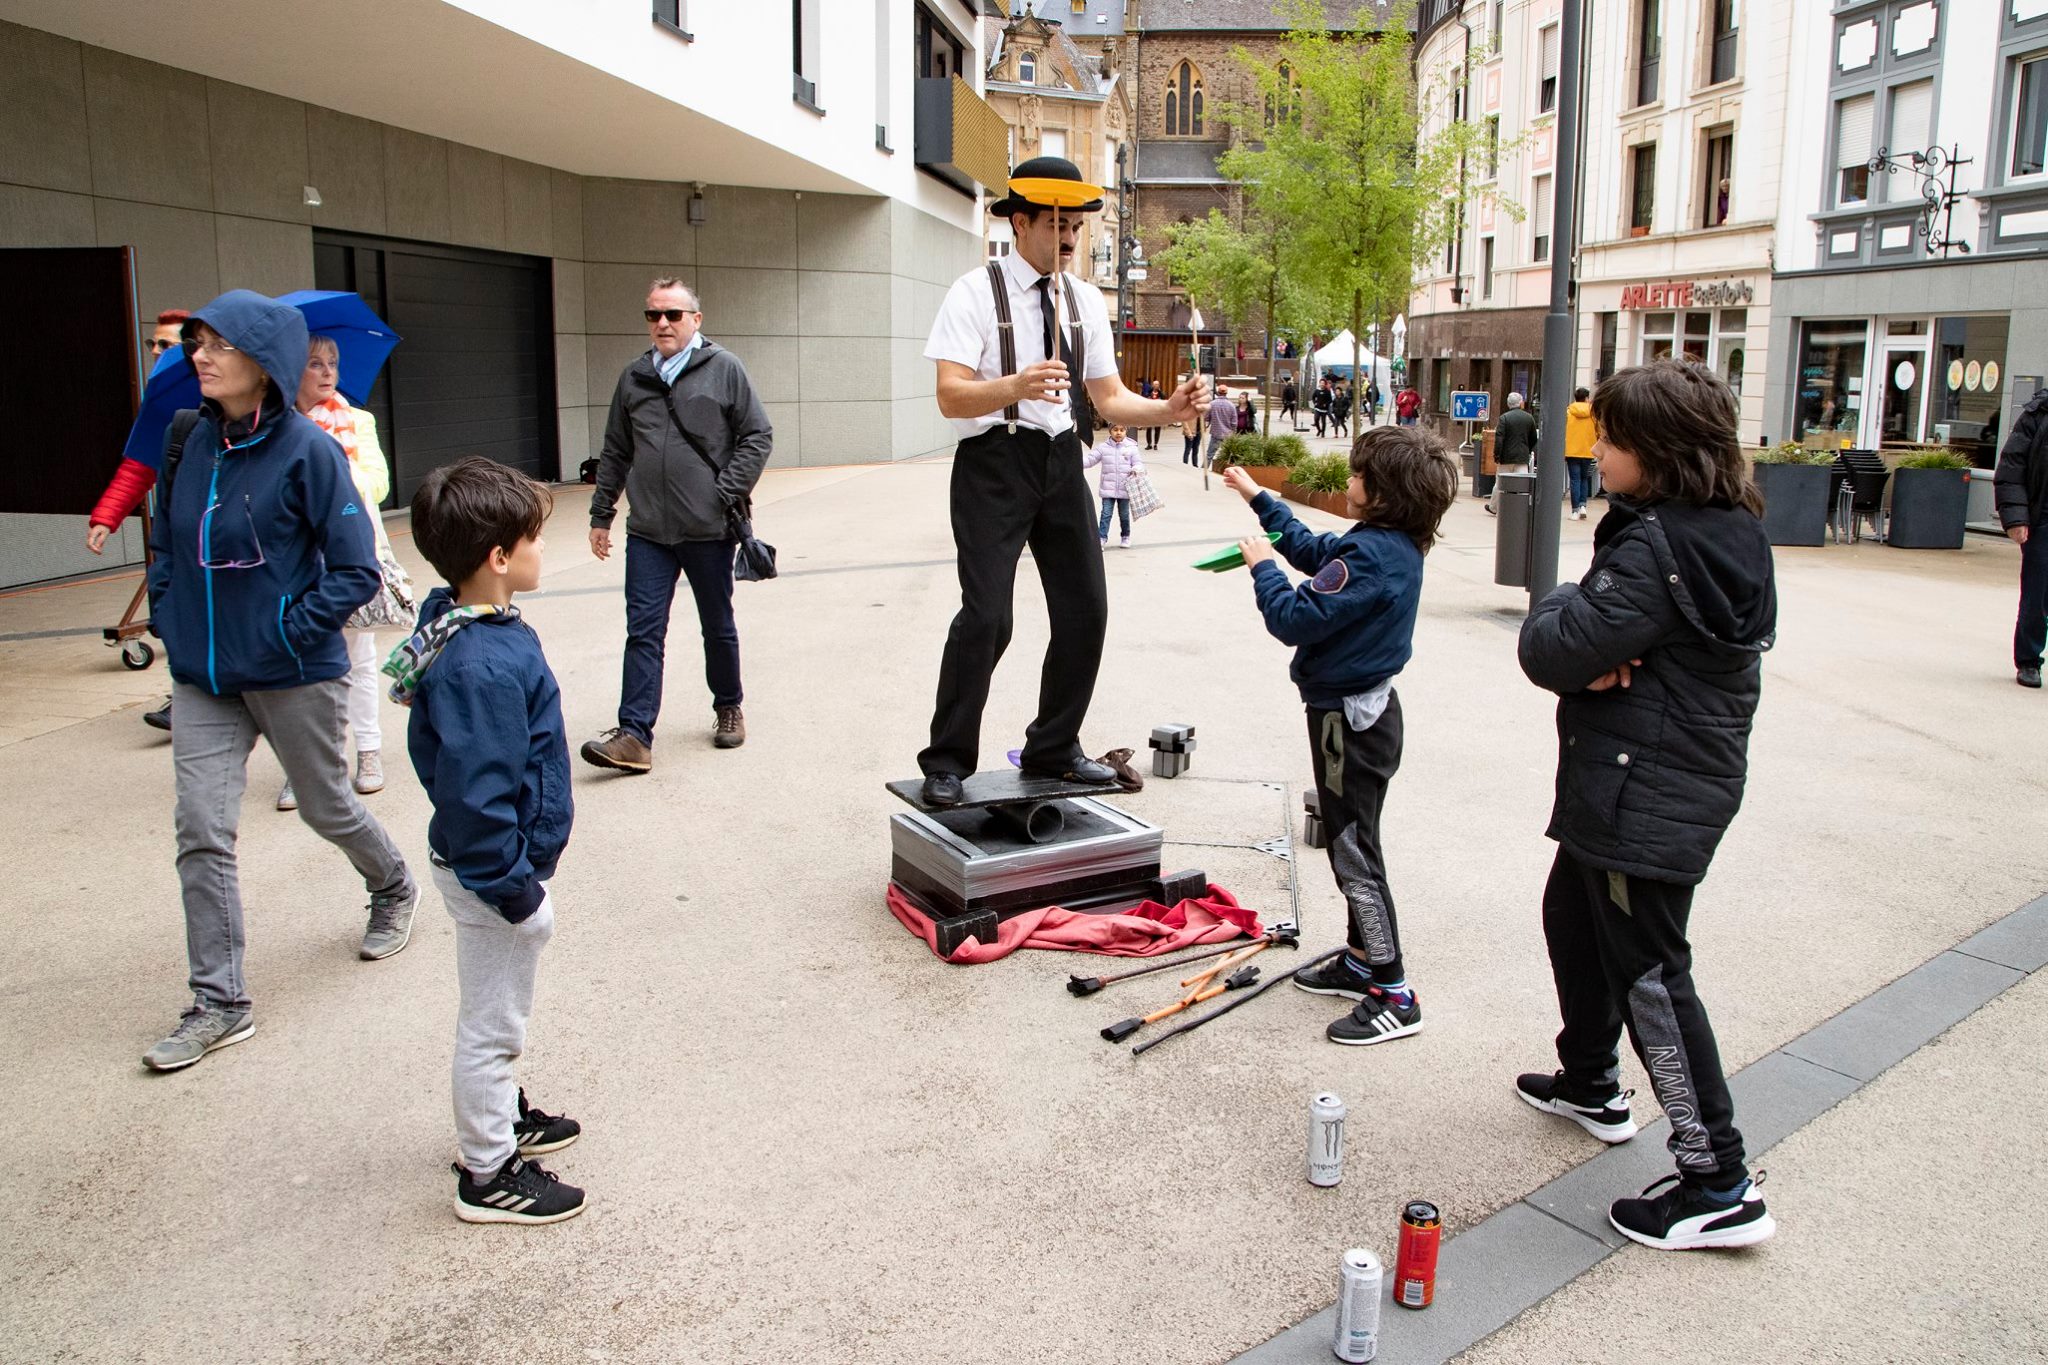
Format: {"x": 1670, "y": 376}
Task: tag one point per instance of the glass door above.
{"x": 1900, "y": 414}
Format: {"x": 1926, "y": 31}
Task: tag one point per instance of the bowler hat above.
{"x": 1045, "y": 168}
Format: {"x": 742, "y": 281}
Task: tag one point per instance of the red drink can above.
{"x": 1422, "y": 1228}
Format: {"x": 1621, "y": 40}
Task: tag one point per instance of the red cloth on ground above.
{"x": 1147, "y": 931}
{"x": 130, "y": 484}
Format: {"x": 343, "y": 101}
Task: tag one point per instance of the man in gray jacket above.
{"x": 686, "y": 441}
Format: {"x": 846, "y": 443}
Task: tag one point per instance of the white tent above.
{"x": 1335, "y": 359}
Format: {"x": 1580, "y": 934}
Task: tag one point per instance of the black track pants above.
{"x": 1353, "y": 769}
{"x": 1619, "y": 955}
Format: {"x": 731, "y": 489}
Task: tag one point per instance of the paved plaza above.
{"x": 807, "y": 1138}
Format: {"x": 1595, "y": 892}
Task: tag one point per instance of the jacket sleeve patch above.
{"x": 1331, "y": 577}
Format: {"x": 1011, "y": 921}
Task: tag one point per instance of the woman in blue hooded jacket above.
{"x": 262, "y": 549}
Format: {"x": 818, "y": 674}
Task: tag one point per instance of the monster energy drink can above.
{"x": 1358, "y": 1306}
{"x": 1325, "y": 1139}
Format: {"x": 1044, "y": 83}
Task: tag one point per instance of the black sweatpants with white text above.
{"x": 1353, "y": 768}
{"x": 1619, "y": 955}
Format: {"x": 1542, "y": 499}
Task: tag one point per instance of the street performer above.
{"x": 1017, "y": 476}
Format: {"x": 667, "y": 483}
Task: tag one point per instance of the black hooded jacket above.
{"x": 2022, "y": 479}
{"x": 1648, "y": 776}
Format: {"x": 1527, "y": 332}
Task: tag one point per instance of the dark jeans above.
{"x": 1151, "y": 438}
{"x": 1191, "y": 449}
{"x": 1352, "y": 771}
{"x": 2031, "y": 634}
{"x": 1009, "y": 491}
{"x": 1122, "y": 507}
{"x": 1619, "y": 955}
{"x": 651, "y": 570}
{"x": 1581, "y": 474}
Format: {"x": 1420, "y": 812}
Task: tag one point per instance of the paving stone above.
{"x": 1888, "y": 1025}
{"x": 2019, "y": 941}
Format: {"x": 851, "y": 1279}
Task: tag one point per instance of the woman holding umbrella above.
{"x": 263, "y": 551}
{"x": 356, "y": 432}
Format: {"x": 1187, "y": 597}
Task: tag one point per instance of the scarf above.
{"x": 409, "y": 662}
{"x": 335, "y": 417}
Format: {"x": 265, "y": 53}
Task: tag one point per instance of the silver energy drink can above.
{"x": 1358, "y": 1306}
{"x": 1325, "y": 1139}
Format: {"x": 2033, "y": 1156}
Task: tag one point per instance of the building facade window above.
{"x": 1053, "y": 142}
{"x": 673, "y": 14}
{"x": 1610, "y": 336}
{"x": 1540, "y": 215}
{"x": 1723, "y": 21}
{"x": 2029, "y": 119}
{"x": 1184, "y": 102}
{"x": 1027, "y": 68}
{"x": 1486, "y": 267}
{"x": 1642, "y": 195}
{"x": 1546, "y": 87}
{"x": 1649, "y": 48}
{"x": 939, "y": 53}
{"x": 1912, "y": 125}
{"x": 805, "y": 38}
{"x": 1717, "y": 175}
{"x": 1496, "y": 21}
{"x": 1853, "y": 119}
{"x": 1492, "y": 146}
{"x": 1914, "y": 28}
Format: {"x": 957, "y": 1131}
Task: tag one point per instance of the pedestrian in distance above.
{"x": 1340, "y": 410}
{"x": 1117, "y": 454}
{"x": 1656, "y": 657}
{"x": 1407, "y": 406}
{"x": 2021, "y": 485}
{"x": 1222, "y": 424}
{"x": 685, "y": 442}
{"x": 1578, "y": 450}
{"x": 487, "y": 741}
{"x": 261, "y": 553}
{"x": 1247, "y": 418}
{"x": 1191, "y": 440}
{"x": 355, "y": 431}
{"x": 1025, "y": 362}
{"x": 1151, "y": 389}
{"x": 1372, "y": 402}
{"x": 1352, "y": 623}
{"x": 133, "y": 479}
{"x": 1514, "y": 446}
{"x": 1319, "y": 405}
{"x": 1290, "y": 400}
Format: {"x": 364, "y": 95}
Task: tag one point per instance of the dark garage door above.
{"x": 475, "y": 375}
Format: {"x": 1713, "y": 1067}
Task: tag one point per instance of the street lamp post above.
{"x": 1125, "y": 245}
{"x": 1560, "y": 342}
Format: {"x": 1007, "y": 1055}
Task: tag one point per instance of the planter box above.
{"x": 1928, "y": 508}
{"x": 1271, "y": 477}
{"x": 1333, "y": 503}
{"x": 1795, "y": 502}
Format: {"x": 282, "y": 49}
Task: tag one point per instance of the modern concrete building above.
{"x": 1910, "y": 304}
{"x": 501, "y": 179}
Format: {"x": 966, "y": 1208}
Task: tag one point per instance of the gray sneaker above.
{"x": 202, "y": 1028}
{"x": 390, "y": 923}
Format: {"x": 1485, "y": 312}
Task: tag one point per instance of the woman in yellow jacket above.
{"x": 1578, "y": 450}
{"x": 356, "y": 430}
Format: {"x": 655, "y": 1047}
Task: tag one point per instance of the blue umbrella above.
{"x": 365, "y": 342}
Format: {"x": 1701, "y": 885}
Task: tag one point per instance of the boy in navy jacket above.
{"x": 1353, "y": 626}
{"x": 486, "y": 739}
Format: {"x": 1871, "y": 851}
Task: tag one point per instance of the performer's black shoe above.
{"x": 1076, "y": 770}
{"x": 942, "y": 789}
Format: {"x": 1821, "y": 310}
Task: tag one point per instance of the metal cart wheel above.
{"x": 137, "y": 654}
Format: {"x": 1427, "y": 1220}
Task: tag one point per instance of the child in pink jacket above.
{"x": 1118, "y": 456}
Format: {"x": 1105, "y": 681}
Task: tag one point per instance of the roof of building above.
{"x": 1076, "y": 68}
{"x": 1251, "y": 16}
{"x": 1099, "y": 18}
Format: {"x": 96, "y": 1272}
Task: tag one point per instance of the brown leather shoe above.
{"x": 729, "y": 730}
{"x": 1127, "y": 777}
{"x": 619, "y": 750}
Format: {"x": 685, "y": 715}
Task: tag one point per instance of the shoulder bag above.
{"x": 753, "y": 560}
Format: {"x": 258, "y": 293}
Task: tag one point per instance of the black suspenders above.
{"x": 1006, "y": 337}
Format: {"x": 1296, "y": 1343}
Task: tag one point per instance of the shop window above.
{"x": 1184, "y": 101}
{"x": 1440, "y": 371}
{"x": 1721, "y": 41}
{"x": 1480, "y": 380}
{"x": 1649, "y": 48}
{"x": 1830, "y": 398}
{"x": 1546, "y": 88}
{"x": 1731, "y": 341}
{"x": 1540, "y": 220}
{"x": 1852, "y": 149}
{"x": 1699, "y": 336}
{"x": 1967, "y": 377}
{"x": 1718, "y": 176}
{"x": 2030, "y": 119}
{"x": 1642, "y": 199}
{"x": 1610, "y": 334}
{"x": 1659, "y": 336}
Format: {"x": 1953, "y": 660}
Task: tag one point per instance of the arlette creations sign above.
{"x": 1687, "y": 294}
{"x": 1469, "y": 406}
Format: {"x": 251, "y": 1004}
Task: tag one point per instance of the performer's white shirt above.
{"x": 965, "y": 333}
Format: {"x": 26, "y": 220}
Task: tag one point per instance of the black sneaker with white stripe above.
{"x": 1606, "y": 1117}
{"x": 537, "y": 1132}
{"x": 1673, "y": 1216}
{"x": 1377, "y": 1018}
{"x": 1342, "y": 975}
{"x": 521, "y": 1192}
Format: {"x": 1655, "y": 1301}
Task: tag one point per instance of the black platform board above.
{"x": 1002, "y": 787}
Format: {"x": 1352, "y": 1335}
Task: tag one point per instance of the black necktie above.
{"x": 1045, "y": 311}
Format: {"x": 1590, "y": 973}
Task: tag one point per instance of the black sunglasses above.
{"x": 672, "y": 314}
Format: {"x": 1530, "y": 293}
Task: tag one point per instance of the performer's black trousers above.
{"x": 1619, "y": 955}
{"x": 1353, "y": 768}
{"x": 1009, "y": 491}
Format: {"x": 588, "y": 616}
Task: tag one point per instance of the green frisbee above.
{"x": 1229, "y": 557}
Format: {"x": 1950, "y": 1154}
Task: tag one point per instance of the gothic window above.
{"x": 1184, "y": 102}
{"x": 1290, "y": 98}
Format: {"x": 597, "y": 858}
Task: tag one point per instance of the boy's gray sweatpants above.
{"x": 495, "y": 961}
{"x": 210, "y": 742}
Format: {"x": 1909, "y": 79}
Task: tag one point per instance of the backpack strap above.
{"x": 1005, "y": 332}
{"x": 182, "y": 423}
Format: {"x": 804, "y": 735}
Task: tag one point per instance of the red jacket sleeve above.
{"x": 130, "y": 484}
